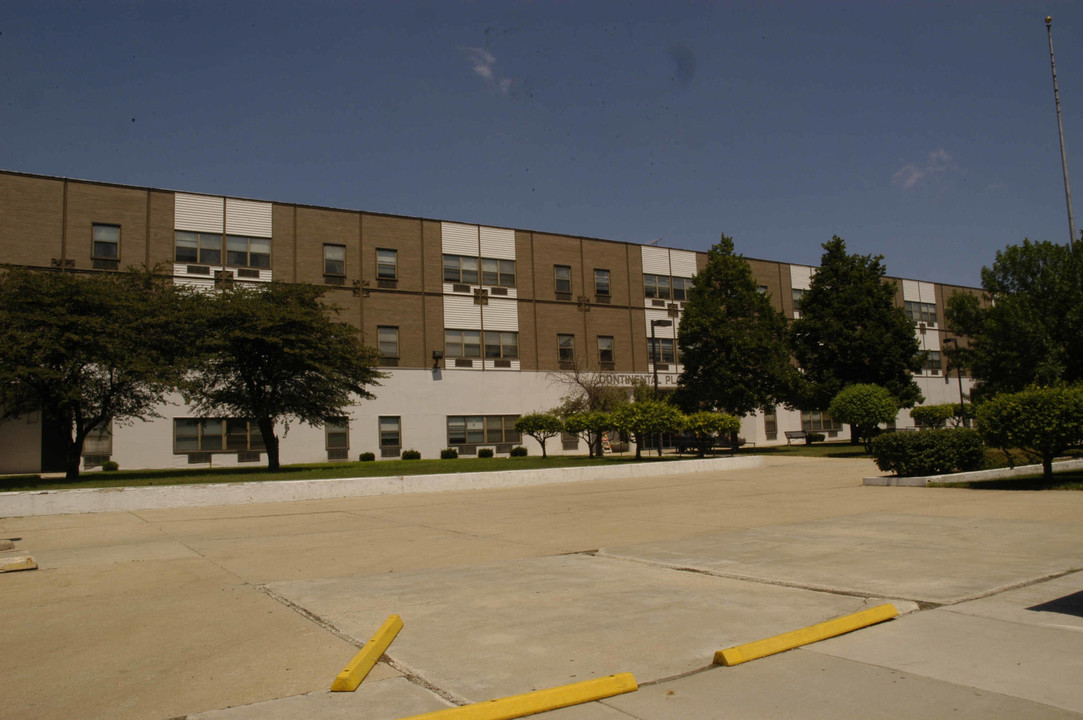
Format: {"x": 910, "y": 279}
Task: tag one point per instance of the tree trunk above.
{"x": 1047, "y": 468}
{"x": 639, "y": 446}
{"x": 73, "y": 458}
{"x": 270, "y": 441}
{"x": 542, "y": 443}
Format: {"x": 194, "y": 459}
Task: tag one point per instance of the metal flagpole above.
{"x": 1060, "y": 126}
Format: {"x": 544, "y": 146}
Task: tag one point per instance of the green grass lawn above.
{"x": 321, "y": 471}
{"x": 383, "y": 468}
{"x": 1068, "y": 480}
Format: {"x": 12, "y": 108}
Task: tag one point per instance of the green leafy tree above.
{"x": 540, "y": 426}
{"x": 1032, "y": 330}
{"x": 863, "y": 407}
{"x": 1044, "y": 421}
{"x": 851, "y": 332}
{"x": 732, "y": 340}
{"x": 645, "y": 418}
{"x": 589, "y": 425}
{"x": 88, "y": 350}
{"x": 707, "y": 425}
{"x": 274, "y": 354}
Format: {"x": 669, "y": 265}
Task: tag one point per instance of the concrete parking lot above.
{"x": 250, "y": 611}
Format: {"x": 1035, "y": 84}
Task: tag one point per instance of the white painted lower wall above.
{"x": 423, "y": 399}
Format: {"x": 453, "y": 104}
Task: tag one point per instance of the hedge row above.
{"x": 929, "y": 452}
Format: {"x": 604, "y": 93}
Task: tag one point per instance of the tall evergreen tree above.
{"x": 850, "y": 331}
{"x": 732, "y": 340}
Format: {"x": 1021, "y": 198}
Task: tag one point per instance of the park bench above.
{"x": 792, "y": 435}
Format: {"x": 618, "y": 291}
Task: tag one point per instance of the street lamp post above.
{"x": 959, "y": 372}
{"x": 654, "y": 348}
{"x": 654, "y": 364}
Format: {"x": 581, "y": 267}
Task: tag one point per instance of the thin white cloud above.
{"x": 935, "y": 165}
{"x": 483, "y": 64}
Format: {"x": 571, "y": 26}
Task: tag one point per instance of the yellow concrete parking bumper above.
{"x": 356, "y": 670}
{"x": 516, "y": 706}
{"x": 813, "y": 633}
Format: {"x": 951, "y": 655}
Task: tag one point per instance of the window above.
{"x": 462, "y": 343}
{"x": 387, "y": 264}
{"x": 248, "y": 251}
{"x": 601, "y": 282}
{"x": 605, "y": 349}
{"x": 921, "y": 312}
{"x": 566, "y": 348}
{"x": 334, "y": 260}
{"x": 932, "y": 361}
{"x": 478, "y": 429}
{"x": 562, "y": 279}
{"x": 770, "y": 423}
{"x": 388, "y": 339}
{"x": 192, "y": 435}
{"x": 390, "y": 432}
{"x": 99, "y": 441}
{"x": 798, "y": 294}
{"x": 498, "y": 272}
{"x": 460, "y": 269}
{"x": 656, "y": 286}
{"x": 197, "y": 247}
{"x": 680, "y": 288}
{"x": 337, "y": 433}
{"x": 817, "y": 421}
{"x": 106, "y": 244}
{"x": 661, "y": 350}
{"x": 501, "y": 345}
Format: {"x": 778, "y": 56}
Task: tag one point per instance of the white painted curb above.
{"x": 923, "y": 481}
{"x": 92, "y": 500}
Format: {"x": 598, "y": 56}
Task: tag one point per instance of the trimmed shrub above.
{"x": 933, "y": 416}
{"x": 367, "y": 457}
{"x": 485, "y": 452}
{"x": 110, "y": 466}
{"x": 518, "y": 451}
{"x": 449, "y": 454}
{"x": 930, "y": 452}
{"x": 863, "y": 407}
{"x": 814, "y": 437}
{"x": 411, "y": 455}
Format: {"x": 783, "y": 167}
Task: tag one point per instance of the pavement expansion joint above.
{"x": 1014, "y": 586}
{"x": 308, "y": 615}
{"x": 417, "y": 679}
{"x": 827, "y": 590}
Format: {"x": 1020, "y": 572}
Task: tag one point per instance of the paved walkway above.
{"x": 229, "y": 613}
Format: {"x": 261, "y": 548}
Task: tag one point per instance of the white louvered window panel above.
{"x": 911, "y": 290}
{"x": 247, "y": 217}
{"x": 497, "y": 243}
{"x": 461, "y": 312}
{"x": 682, "y": 263}
{"x": 201, "y": 213}
{"x": 458, "y": 239}
{"x": 801, "y": 277}
{"x": 655, "y": 260}
{"x": 501, "y": 315}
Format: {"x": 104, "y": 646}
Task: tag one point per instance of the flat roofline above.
{"x": 144, "y": 188}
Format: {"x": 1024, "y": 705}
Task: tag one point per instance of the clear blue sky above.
{"x": 925, "y": 132}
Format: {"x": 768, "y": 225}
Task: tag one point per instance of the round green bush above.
{"x": 929, "y": 452}
{"x": 485, "y": 452}
{"x": 411, "y": 455}
{"x": 518, "y": 451}
{"x": 110, "y": 466}
{"x": 449, "y": 454}
{"x": 367, "y": 457}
